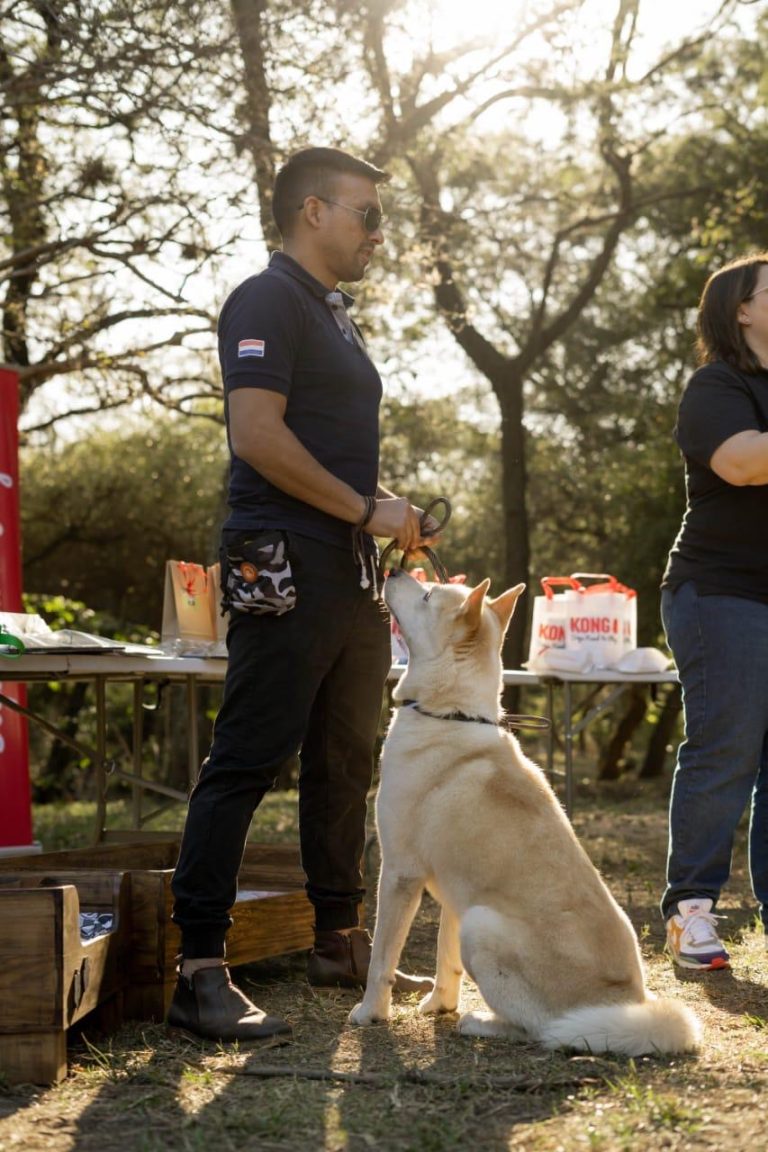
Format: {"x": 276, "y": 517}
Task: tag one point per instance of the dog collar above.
{"x": 508, "y": 721}
{"x": 414, "y": 704}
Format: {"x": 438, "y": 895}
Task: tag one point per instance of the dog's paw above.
{"x": 435, "y": 1005}
{"x": 362, "y": 1015}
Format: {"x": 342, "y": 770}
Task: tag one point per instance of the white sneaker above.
{"x": 692, "y": 939}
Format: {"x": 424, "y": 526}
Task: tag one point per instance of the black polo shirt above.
{"x": 722, "y": 545}
{"x": 276, "y": 331}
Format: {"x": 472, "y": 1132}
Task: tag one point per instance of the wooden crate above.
{"x": 50, "y": 978}
{"x": 272, "y": 915}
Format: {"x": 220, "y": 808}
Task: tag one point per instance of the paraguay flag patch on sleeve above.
{"x": 250, "y": 348}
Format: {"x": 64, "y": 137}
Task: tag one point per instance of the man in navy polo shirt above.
{"x": 309, "y": 646}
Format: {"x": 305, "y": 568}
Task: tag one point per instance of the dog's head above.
{"x": 449, "y": 625}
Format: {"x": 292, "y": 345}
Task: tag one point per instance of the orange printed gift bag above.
{"x": 192, "y": 623}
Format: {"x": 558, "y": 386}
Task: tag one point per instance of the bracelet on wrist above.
{"x": 370, "y": 508}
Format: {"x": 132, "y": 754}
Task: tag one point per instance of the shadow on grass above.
{"x": 727, "y": 990}
{"x": 413, "y": 1085}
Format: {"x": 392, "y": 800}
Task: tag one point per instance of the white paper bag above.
{"x": 601, "y": 619}
{"x": 549, "y": 619}
{"x": 590, "y": 626}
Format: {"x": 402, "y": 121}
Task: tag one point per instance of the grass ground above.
{"x": 416, "y": 1086}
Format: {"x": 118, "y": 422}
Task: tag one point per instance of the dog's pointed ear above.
{"x": 473, "y": 605}
{"x": 504, "y": 605}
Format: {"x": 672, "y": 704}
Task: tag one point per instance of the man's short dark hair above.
{"x": 312, "y": 172}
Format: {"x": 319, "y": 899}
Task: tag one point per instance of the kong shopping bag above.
{"x": 585, "y": 626}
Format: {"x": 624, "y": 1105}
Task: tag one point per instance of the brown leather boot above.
{"x": 208, "y": 1004}
{"x": 341, "y": 959}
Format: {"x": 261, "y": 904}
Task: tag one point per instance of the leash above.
{"x": 437, "y": 564}
{"x": 510, "y": 721}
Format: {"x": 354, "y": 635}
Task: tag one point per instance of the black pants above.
{"x": 309, "y": 680}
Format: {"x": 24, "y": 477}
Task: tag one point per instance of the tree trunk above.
{"x": 610, "y": 768}
{"x": 62, "y": 778}
{"x": 248, "y": 16}
{"x": 515, "y": 515}
{"x": 656, "y": 754}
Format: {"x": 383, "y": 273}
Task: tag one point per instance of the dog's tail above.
{"x": 655, "y": 1026}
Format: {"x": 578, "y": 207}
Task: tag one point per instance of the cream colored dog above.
{"x": 460, "y": 811}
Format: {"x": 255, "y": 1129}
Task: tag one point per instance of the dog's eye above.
{"x": 428, "y": 594}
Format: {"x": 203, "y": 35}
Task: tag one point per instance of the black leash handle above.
{"x": 510, "y": 721}
{"x": 425, "y": 550}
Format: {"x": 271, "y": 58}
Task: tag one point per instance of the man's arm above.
{"x": 262, "y": 439}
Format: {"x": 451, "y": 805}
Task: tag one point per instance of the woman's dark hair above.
{"x": 312, "y": 172}
{"x": 719, "y": 334}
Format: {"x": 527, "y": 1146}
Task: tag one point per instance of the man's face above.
{"x": 344, "y": 244}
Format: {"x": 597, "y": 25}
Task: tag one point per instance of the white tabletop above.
{"x": 135, "y": 664}
{"x": 129, "y": 665}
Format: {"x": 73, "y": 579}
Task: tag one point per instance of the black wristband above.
{"x": 370, "y": 508}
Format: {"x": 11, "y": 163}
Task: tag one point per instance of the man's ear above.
{"x": 311, "y": 210}
{"x": 504, "y": 605}
{"x": 473, "y": 606}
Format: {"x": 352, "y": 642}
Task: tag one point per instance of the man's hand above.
{"x": 397, "y": 518}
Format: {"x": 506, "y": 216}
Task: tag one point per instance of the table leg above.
{"x": 99, "y": 685}
{"x": 193, "y": 750}
{"x": 568, "y": 742}
{"x": 138, "y": 732}
{"x": 550, "y": 733}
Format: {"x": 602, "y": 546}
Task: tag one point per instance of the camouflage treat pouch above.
{"x": 257, "y": 575}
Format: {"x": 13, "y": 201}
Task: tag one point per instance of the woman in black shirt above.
{"x": 715, "y": 613}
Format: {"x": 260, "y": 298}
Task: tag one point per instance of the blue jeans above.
{"x": 309, "y": 682}
{"x": 720, "y": 645}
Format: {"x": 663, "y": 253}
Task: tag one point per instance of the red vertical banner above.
{"x": 15, "y": 808}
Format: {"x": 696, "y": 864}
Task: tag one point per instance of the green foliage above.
{"x": 61, "y": 612}
{"x": 522, "y": 213}
{"x": 101, "y": 516}
{"x": 61, "y": 826}
{"x": 429, "y": 450}
{"x": 605, "y": 476}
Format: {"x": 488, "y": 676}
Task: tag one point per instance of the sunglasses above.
{"x": 373, "y": 218}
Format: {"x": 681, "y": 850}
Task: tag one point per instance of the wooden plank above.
{"x": 92, "y": 975}
{"x": 147, "y": 855}
{"x": 33, "y": 1057}
{"x": 148, "y": 1001}
{"x": 114, "y": 857}
{"x": 49, "y": 976}
{"x": 30, "y": 977}
{"x": 272, "y": 917}
{"x": 97, "y": 891}
{"x": 154, "y": 939}
{"x": 270, "y": 926}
